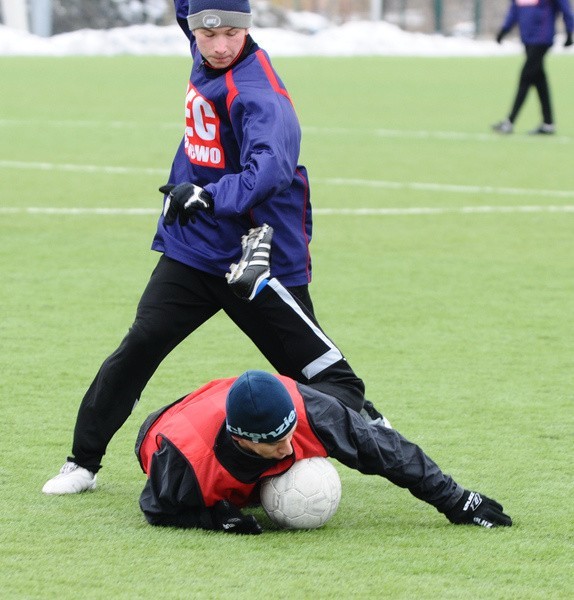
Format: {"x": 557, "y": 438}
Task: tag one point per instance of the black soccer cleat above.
{"x": 544, "y": 129}
{"x": 253, "y": 268}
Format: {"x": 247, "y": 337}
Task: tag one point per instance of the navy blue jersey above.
{"x": 241, "y": 144}
{"x": 536, "y": 19}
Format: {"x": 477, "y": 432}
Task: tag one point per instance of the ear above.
{"x": 238, "y": 440}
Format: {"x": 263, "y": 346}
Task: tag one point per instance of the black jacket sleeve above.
{"x": 171, "y": 496}
{"x": 376, "y": 450}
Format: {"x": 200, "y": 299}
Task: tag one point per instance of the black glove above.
{"x": 475, "y": 509}
{"x": 227, "y": 517}
{"x": 500, "y": 35}
{"x": 185, "y": 200}
{"x": 568, "y": 41}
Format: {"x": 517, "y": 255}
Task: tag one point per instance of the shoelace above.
{"x": 68, "y": 468}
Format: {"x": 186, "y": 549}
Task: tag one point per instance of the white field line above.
{"x": 74, "y": 168}
{"x": 445, "y": 187}
{"x": 38, "y": 210}
{"x": 421, "y": 210}
{"x": 454, "y": 136}
{"x": 90, "y": 124}
{"x": 333, "y": 181}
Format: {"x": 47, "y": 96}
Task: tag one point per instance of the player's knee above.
{"x": 144, "y": 340}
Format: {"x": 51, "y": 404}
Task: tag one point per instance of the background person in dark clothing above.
{"x": 536, "y": 20}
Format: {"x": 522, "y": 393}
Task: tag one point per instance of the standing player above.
{"x": 236, "y": 167}
{"x": 537, "y": 23}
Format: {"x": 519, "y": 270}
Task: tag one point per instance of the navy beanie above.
{"x": 259, "y": 408}
{"x": 219, "y": 13}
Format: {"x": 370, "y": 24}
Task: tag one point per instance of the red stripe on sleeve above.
{"x": 232, "y": 92}
{"x": 268, "y": 69}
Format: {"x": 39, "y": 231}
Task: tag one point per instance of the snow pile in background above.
{"x": 359, "y": 38}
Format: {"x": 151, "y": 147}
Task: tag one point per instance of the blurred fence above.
{"x": 451, "y": 17}
{"x": 472, "y": 18}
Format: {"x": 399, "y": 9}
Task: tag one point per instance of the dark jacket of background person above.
{"x": 536, "y": 19}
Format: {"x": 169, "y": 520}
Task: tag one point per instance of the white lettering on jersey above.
{"x": 202, "y": 131}
{"x": 202, "y": 111}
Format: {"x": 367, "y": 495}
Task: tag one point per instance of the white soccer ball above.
{"x": 304, "y": 497}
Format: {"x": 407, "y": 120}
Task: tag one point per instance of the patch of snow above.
{"x": 355, "y": 38}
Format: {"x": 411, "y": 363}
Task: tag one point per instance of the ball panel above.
{"x": 304, "y": 497}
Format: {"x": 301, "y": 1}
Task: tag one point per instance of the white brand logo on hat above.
{"x": 211, "y": 21}
{"x": 270, "y": 436}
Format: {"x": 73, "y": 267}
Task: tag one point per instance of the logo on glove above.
{"x": 473, "y": 502}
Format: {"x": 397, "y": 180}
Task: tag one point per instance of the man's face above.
{"x": 220, "y": 46}
{"x": 277, "y": 450}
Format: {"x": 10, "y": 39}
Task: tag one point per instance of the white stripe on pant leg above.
{"x": 332, "y": 355}
{"x": 320, "y": 364}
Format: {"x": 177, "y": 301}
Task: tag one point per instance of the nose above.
{"x": 220, "y": 46}
{"x": 285, "y": 448}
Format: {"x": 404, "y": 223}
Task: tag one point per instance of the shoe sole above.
{"x": 256, "y": 249}
{"x": 55, "y": 491}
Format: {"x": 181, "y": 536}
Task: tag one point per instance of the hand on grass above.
{"x": 229, "y": 518}
{"x": 476, "y": 509}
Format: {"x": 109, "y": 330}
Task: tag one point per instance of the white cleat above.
{"x": 72, "y": 479}
{"x": 253, "y": 268}
{"x": 504, "y": 127}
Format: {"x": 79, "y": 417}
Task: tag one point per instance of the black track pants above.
{"x": 533, "y": 74}
{"x": 177, "y": 300}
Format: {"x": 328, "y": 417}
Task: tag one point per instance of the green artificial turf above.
{"x": 453, "y": 297}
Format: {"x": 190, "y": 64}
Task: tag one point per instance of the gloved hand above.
{"x": 475, "y": 509}
{"x": 500, "y": 35}
{"x": 568, "y": 41}
{"x": 229, "y": 518}
{"x": 185, "y": 200}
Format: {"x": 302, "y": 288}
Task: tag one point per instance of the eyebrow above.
{"x": 276, "y": 442}
{"x": 223, "y": 29}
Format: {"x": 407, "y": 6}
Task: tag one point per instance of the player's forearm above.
{"x": 377, "y": 450}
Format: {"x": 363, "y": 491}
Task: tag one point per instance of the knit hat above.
{"x": 209, "y": 14}
{"x": 259, "y": 408}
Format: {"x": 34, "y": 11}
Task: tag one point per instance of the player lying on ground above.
{"x": 206, "y": 454}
